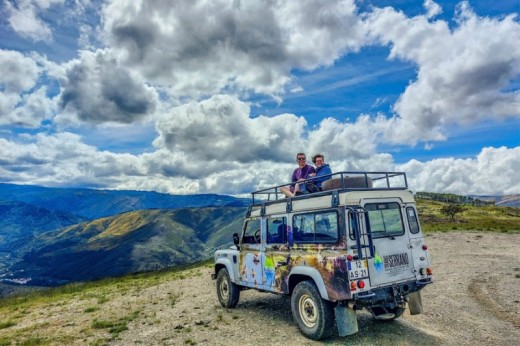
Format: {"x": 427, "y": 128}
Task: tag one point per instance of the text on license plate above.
{"x": 358, "y": 269}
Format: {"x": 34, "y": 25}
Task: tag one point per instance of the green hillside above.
{"x": 473, "y": 218}
{"x": 137, "y": 241}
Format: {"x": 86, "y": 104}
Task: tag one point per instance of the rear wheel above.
{"x": 313, "y": 315}
{"x": 228, "y": 293}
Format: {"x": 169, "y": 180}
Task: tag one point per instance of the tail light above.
{"x": 425, "y": 247}
{"x": 353, "y": 286}
{"x": 361, "y": 284}
{"x": 426, "y": 271}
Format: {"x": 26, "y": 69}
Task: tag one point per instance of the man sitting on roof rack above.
{"x": 301, "y": 173}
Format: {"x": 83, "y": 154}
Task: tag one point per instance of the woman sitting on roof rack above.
{"x": 323, "y": 172}
{"x": 301, "y": 173}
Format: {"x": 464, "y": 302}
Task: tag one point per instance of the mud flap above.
{"x": 415, "y": 303}
{"x": 346, "y": 320}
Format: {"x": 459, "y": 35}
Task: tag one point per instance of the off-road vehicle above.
{"x": 356, "y": 244}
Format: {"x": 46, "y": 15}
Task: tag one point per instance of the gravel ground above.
{"x": 475, "y": 299}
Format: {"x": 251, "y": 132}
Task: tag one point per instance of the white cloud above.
{"x": 96, "y": 89}
{"x": 24, "y": 20}
{"x": 493, "y": 172}
{"x": 33, "y": 109}
{"x": 21, "y": 104}
{"x": 17, "y": 72}
{"x": 63, "y": 159}
{"x": 238, "y": 45}
{"x": 433, "y": 8}
{"x": 463, "y": 74}
{"x": 220, "y": 128}
{"x": 346, "y": 140}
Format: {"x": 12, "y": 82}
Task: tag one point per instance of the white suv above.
{"x": 356, "y": 244}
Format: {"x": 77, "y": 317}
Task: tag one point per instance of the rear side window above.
{"x": 412, "y": 220}
{"x": 385, "y": 219}
{"x": 319, "y": 227}
{"x": 277, "y": 230}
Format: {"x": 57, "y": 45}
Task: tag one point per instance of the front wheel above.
{"x": 313, "y": 315}
{"x": 228, "y": 293}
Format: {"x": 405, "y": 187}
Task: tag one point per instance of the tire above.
{"x": 228, "y": 293}
{"x": 313, "y": 315}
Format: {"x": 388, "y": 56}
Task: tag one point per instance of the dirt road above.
{"x": 475, "y": 300}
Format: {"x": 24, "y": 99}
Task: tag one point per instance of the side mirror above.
{"x": 236, "y": 239}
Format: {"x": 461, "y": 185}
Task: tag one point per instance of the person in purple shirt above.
{"x": 299, "y": 174}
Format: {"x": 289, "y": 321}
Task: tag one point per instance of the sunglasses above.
{"x": 301, "y": 159}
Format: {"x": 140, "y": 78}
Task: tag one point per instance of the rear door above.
{"x": 393, "y": 260}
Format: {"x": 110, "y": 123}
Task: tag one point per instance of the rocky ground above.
{"x": 475, "y": 299}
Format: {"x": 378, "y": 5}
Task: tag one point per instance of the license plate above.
{"x": 358, "y": 269}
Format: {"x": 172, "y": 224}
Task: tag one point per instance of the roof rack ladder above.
{"x": 363, "y": 238}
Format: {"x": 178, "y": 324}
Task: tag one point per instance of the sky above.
{"x": 218, "y": 96}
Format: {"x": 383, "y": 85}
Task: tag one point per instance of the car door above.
{"x": 251, "y": 254}
{"x": 392, "y": 261}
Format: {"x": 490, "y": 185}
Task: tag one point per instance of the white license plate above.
{"x": 358, "y": 269}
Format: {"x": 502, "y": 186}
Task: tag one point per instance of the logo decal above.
{"x": 378, "y": 263}
{"x": 396, "y": 260}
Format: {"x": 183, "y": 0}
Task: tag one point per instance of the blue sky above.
{"x": 218, "y": 96}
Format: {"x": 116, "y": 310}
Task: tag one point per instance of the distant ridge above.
{"x": 93, "y": 204}
{"x": 503, "y": 201}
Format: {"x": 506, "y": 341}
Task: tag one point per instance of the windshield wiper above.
{"x": 388, "y": 235}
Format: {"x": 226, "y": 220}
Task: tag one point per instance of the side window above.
{"x": 316, "y": 227}
{"x": 277, "y": 230}
{"x": 385, "y": 219}
{"x": 252, "y": 231}
{"x": 412, "y": 220}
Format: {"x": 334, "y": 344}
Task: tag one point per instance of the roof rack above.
{"x": 342, "y": 181}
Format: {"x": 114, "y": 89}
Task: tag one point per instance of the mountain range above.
{"x": 93, "y": 204}
{"x": 54, "y": 235}
{"x": 503, "y": 201}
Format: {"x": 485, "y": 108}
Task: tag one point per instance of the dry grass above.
{"x": 92, "y": 313}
